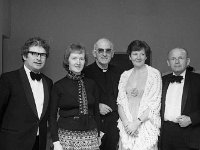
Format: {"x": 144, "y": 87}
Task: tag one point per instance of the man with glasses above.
{"x": 24, "y": 98}
{"x": 107, "y": 77}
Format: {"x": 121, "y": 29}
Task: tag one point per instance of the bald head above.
{"x": 183, "y": 50}
{"x": 103, "y": 41}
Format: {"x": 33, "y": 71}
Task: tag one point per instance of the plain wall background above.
{"x": 5, "y": 25}
{"x": 163, "y": 24}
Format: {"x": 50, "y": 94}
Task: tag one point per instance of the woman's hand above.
{"x": 131, "y": 127}
{"x": 104, "y": 109}
{"x": 57, "y": 146}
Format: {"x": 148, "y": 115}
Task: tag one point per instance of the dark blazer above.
{"x": 190, "y": 107}
{"x": 19, "y": 120}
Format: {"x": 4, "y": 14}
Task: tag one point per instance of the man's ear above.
{"x": 24, "y": 57}
{"x": 113, "y": 53}
{"x": 188, "y": 61}
{"x": 168, "y": 64}
{"x": 94, "y": 53}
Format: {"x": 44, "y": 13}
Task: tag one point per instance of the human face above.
{"x": 178, "y": 61}
{"x": 138, "y": 58}
{"x": 76, "y": 62}
{"x": 35, "y": 59}
{"x": 103, "y": 53}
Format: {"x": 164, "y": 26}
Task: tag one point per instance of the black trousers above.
{"x": 36, "y": 145}
{"x": 109, "y": 126}
{"x": 173, "y": 138}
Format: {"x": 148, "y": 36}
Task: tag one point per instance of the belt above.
{"x": 171, "y": 123}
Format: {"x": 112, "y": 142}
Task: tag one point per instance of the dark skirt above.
{"x": 78, "y": 140}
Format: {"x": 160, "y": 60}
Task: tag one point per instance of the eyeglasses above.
{"x": 177, "y": 59}
{"x": 36, "y": 54}
{"x": 107, "y": 50}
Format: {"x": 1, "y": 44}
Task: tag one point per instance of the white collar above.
{"x": 182, "y": 74}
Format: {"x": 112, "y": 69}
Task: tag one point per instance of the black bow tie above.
{"x": 35, "y": 76}
{"x": 174, "y": 78}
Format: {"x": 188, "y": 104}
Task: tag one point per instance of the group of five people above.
{"x": 100, "y": 106}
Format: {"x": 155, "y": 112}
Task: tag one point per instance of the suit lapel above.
{"x": 28, "y": 91}
{"x": 185, "y": 90}
{"x": 46, "y": 96}
{"x": 164, "y": 92}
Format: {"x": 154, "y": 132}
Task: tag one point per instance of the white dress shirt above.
{"x": 173, "y": 100}
{"x": 38, "y": 92}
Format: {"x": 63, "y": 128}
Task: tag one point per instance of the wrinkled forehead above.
{"x": 177, "y": 52}
{"x": 104, "y": 44}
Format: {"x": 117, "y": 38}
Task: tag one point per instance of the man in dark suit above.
{"x": 180, "y": 111}
{"x": 107, "y": 78}
{"x": 24, "y": 98}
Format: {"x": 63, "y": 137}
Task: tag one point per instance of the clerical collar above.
{"x": 104, "y": 70}
{"x": 100, "y": 67}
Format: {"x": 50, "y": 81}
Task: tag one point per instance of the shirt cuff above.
{"x": 56, "y": 143}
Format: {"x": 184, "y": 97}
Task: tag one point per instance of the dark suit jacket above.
{"x": 190, "y": 106}
{"x": 19, "y": 120}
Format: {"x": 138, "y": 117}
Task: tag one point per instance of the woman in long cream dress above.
{"x": 139, "y": 102}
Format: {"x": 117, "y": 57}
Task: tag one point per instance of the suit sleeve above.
{"x": 53, "y": 113}
{"x": 195, "y": 117}
{"x": 96, "y": 109}
{"x": 50, "y": 84}
{"x": 4, "y": 95}
{"x": 194, "y": 114}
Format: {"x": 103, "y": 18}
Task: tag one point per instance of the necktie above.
{"x": 177, "y": 79}
{"x": 35, "y": 76}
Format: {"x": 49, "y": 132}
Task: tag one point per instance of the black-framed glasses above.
{"x": 36, "y": 54}
{"x": 107, "y": 50}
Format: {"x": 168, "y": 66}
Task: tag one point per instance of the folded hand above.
{"x": 104, "y": 109}
{"x": 131, "y": 128}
